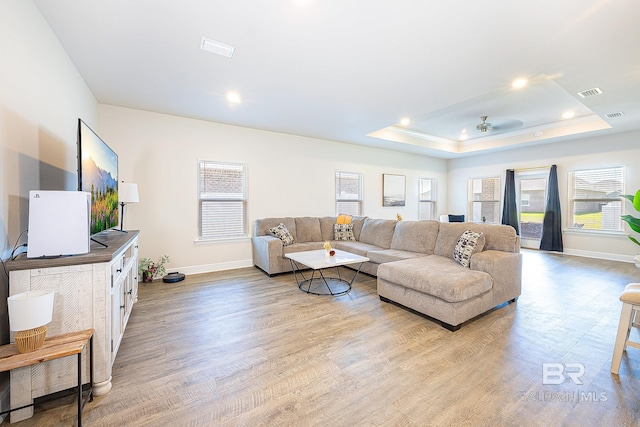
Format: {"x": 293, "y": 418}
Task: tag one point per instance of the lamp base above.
{"x": 31, "y": 339}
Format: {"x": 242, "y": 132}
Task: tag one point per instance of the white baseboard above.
{"x": 599, "y": 255}
{"x": 209, "y": 268}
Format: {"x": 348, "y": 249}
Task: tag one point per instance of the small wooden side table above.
{"x": 53, "y": 348}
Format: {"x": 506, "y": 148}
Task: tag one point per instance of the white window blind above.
{"x": 427, "y": 198}
{"x": 222, "y": 195}
{"x": 484, "y": 199}
{"x": 595, "y": 199}
{"x": 348, "y": 193}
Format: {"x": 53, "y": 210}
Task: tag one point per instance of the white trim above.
{"x": 210, "y": 268}
{"x": 200, "y": 241}
{"x": 588, "y": 231}
{"x": 599, "y": 255}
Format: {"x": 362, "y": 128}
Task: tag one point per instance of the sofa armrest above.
{"x": 506, "y": 270}
{"x": 267, "y": 250}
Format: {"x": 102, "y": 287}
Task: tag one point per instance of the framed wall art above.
{"x": 393, "y": 190}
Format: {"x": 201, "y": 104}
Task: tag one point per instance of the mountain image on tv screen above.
{"x": 99, "y": 176}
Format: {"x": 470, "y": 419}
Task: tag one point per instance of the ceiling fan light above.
{"x": 484, "y": 126}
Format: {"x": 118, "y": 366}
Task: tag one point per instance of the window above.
{"x": 222, "y": 195}
{"x": 348, "y": 193}
{"x": 426, "y": 198}
{"x": 594, "y": 199}
{"x": 484, "y": 199}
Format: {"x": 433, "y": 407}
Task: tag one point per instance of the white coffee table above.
{"x": 318, "y": 283}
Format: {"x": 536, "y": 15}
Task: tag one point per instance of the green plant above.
{"x": 147, "y": 269}
{"x": 634, "y": 223}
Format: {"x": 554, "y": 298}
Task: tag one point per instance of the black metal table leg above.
{"x": 80, "y": 389}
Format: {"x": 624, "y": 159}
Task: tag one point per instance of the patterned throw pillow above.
{"x": 467, "y": 245}
{"x": 283, "y": 234}
{"x": 343, "y": 232}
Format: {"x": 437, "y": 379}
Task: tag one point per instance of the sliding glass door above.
{"x": 531, "y": 187}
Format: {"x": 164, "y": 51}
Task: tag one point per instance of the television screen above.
{"x": 98, "y": 175}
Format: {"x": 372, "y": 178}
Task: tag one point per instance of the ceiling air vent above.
{"x": 216, "y": 47}
{"x": 590, "y": 92}
{"x": 614, "y": 115}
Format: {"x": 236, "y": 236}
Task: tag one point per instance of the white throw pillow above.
{"x": 468, "y": 244}
{"x": 283, "y": 234}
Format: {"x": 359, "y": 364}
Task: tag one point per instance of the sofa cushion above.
{"x": 301, "y": 247}
{"x": 282, "y": 233}
{"x": 343, "y": 232}
{"x": 378, "y": 232}
{"x": 326, "y": 227}
{"x": 308, "y": 229}
{"x": 468, "y": 244}
{"x": 355, "y": 247}
{"x": 358, "y": 222}
{"x": 498, "y": 237}
{"x": 261, "y": 226}
{"x": 439, "y": 276}
{"x": 390, "y": 255}
{"x": 415, "y": 236}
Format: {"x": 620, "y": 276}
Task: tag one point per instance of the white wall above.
{"x": 288, "y": 176}
{"x": 41, "y": 97}
{"x": 587, "y": 153}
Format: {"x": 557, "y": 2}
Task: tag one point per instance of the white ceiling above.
{"x": 349, "y": 70}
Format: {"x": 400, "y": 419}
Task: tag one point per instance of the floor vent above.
{"x": 590, "y": 92}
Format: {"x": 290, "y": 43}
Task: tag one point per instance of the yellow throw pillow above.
{"x": 343, "y": 219}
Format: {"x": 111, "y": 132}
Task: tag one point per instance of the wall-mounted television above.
{"x": 98, "y": 175}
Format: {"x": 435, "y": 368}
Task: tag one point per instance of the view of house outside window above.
{"x": 484, "y": 198}
{"x": 222, "y": 196}
{"x": 533, "y": 200}
{"x": 595, "y": 199}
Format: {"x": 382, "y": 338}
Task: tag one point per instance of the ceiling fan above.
{"x": 484, "y": 126}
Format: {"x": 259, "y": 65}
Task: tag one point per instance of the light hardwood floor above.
{"x": 237, "y": 348}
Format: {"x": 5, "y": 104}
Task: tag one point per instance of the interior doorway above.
{"x": 531, "y": 190}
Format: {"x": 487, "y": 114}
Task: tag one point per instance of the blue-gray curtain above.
{"x": 509, "y": 206}
{"x": 552, "y": 223}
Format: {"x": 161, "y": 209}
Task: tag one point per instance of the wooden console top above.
{"x": 115, "y": 240}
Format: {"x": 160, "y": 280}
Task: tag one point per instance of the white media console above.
{"x": 95, "y": 290}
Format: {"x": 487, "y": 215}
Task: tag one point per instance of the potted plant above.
{"x": 634, "y": 223}
{"x": 148, "y": 270}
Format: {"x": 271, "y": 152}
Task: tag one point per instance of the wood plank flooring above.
{"x": 237, "y": 348}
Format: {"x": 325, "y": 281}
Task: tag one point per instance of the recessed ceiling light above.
{"x": 405, "y": 122}
{"x": 568, "y": 115}
{"x": 233, "y": 97}
{"x": 463, "y": 136}
{"x": 519, "y": 83}
{"x": 217, "y": 47}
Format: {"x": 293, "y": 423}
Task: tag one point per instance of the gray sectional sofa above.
{"x": 413, "y": 261}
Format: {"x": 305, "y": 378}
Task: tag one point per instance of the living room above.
{"x": 42, "y": 94}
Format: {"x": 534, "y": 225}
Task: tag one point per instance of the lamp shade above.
{"x": 31, "y": 309}
{"x": 128, "y": 192}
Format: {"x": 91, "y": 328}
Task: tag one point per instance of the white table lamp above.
{"x": 127, "y": 193}
{"x": 28, "y": 313}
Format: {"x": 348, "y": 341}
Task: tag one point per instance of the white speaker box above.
{"x": 58, "y": 223}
